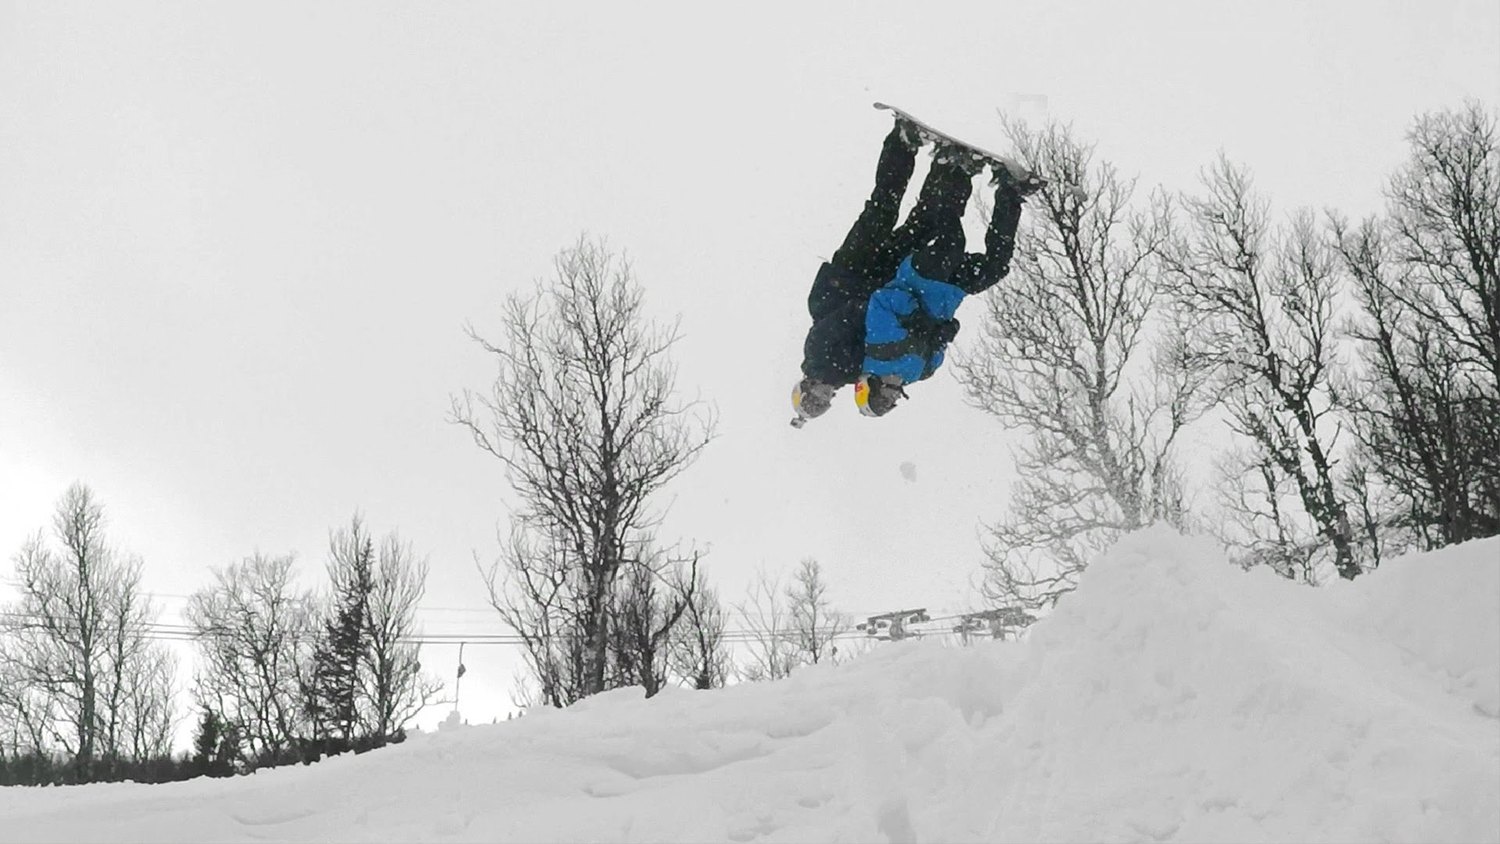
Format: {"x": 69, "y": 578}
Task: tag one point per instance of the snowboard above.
{"x": 935, "y": 135}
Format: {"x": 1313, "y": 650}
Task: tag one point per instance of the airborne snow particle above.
{"x": 909, "y": 471}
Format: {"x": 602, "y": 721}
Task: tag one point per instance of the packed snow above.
{"x": 1173, "y": 697}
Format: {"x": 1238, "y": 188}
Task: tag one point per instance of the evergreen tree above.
{"x": 334, "y": 689}
{"x": 215, "y": 747}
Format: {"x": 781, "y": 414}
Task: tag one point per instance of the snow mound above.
{"x": 1171, "y": 698}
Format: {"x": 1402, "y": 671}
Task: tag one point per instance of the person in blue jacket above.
{"x": 883, "y": 306}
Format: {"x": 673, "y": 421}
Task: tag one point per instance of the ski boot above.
{"x": 1022, "y": 183}
{"x": 970, "y": 161}
{"x": 910, "y": 133}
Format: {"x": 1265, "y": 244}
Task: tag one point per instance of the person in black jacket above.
{"x": 883, "y": 306}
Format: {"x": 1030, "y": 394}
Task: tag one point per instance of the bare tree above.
{"x": 699, "y": 653}
{"x": 148, "y": 711}
{"x": 649, "y": 601}
{"x": 1260, "y": 303}
{"x": 1445, "y": 212}
{"x": 1256, "y": 518}
{"x": 80, "y": 671}
{"x": 536, "y": 597}
{"x": 769, "y": 637}
{"x": 394, "y": 688}
{"x": 791, "y": 626}
{"x": 657, "y": 590}
{"x": 582, "y": 414}
{"x": 1063, "y": 355}
{"x": 1427, "y": 404}
{"x": 25, "y": 711}
{"x": 815, "y": 624}
{"x": 254, "y": 631}
{"x": 1374, "y": 505}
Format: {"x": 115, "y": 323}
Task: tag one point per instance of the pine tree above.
{"x": 215, "y": 746}
{"x": 334, "y": 690}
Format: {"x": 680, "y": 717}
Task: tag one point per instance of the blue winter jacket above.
{"x": 908, "y": 325}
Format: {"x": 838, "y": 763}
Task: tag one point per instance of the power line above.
{"x": 491, "y": 610}
{"x": 486, "y": 609}
{"x": 174, "y": 632}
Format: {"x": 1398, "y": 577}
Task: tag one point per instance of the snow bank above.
{"x": 1172, "y": 698}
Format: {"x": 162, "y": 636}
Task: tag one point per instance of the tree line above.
{"x": 1347, "y": 371}
{"x": 89, "y": 689}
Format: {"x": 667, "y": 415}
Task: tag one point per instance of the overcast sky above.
{"x": 239, "y": 244}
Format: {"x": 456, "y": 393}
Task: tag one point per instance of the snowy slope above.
{"x": 1172, "y": 698}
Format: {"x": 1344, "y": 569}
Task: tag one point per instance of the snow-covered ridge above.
{"x": 1172, "y": 697}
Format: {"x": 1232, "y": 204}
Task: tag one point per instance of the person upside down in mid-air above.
{"x": 883, "y": 307}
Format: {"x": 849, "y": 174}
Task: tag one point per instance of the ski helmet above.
{"x": 811, "y": 398}
{"x": 875, "y": 396}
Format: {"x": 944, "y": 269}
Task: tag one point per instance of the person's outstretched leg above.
{"x": 861, "y": 250}
{"x": 858, "y": 267}
{"x": 933, "y": 234}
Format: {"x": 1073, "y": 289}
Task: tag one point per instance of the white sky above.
{"x": 238, "y": 244}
